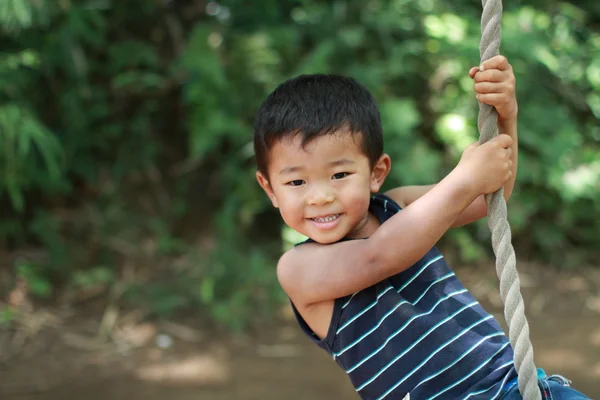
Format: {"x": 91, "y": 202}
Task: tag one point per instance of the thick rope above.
{"x": 506, "y": 266}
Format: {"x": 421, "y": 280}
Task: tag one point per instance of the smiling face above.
{"x": 323, "y": 190}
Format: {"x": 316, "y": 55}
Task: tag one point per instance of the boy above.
{"x": 387, "y": 307}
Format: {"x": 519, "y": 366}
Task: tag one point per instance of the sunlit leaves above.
{"x": 15, "y": 15}
{"x": 447, "y": 26}
{"x": 455, "y": 131}
{"x": 582, "y": 181}
{"x": 258, "y": 56}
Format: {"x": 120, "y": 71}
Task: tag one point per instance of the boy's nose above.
{"x": 321, "y": 197}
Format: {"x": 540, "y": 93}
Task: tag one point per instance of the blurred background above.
{"x": 137, "y": 252}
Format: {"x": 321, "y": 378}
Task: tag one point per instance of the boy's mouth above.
{"x": 327, "y": 218}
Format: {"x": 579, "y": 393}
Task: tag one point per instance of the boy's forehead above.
{"x": 321, "y": 150}
{"x": 332, "y": 143}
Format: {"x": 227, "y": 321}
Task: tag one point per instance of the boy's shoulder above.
{"x": 289, "y": 266}
{"x": 292, "y": 259}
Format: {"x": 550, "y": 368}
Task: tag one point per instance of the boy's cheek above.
{"x": 292, "y": 219}
{"x": 358, "y": 200}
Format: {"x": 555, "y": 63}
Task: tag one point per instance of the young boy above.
{"x": 386, "y": 307}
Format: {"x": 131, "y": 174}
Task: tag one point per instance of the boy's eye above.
{"x": 340, "y": 175}
{"x": 296, "y": 182}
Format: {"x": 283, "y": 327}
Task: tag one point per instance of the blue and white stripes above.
{"x": 429, "y": 337}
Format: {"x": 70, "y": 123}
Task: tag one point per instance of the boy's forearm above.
{"x": 510, "y": 128}
{"x": 414, "y": 231}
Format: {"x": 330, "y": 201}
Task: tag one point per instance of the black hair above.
{"x": 317, "y": 105}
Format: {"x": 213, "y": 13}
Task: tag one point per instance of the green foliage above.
{"x": 237, "y": 297}
{"x": 15, "y": 15}
{"x": 26, "y": 144}
{"x": 125, "y": 132}
{"x": 92, "y": 277}
{"x": 7, "y": 316}
{"x": 37, "y": 283}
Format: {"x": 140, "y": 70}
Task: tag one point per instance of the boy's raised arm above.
{"x": 313, "y": 273}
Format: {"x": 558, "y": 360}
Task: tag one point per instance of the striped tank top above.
{"x": 419, "y": 332}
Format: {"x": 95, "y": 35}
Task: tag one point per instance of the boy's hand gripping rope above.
{"x": 514, "y": 310}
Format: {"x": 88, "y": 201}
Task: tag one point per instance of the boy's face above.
{"x": 323, "y": 190}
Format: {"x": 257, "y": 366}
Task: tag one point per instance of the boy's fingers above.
{"x": 492, "y": 75}
{"x": 473, "y": 71}
{"x": 497, "y": 62}
{"x": 491, "y": 99}
{"x": 491, "y": 87}
{"x": 503, "y": 140}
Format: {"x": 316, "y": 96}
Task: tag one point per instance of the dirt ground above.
{"x": 176, "y": 361}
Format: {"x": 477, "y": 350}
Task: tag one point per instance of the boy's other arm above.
{"x": 313, "y": 273}
{"x": 406, "y": 195}
{"x": 495, "y": 85}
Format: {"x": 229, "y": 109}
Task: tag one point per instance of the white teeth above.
{"x": 328, "y": 218}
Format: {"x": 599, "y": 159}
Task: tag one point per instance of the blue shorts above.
{"x": 554, "y": 387}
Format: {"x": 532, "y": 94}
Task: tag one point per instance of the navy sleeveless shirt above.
{"x": 419, "y": 332}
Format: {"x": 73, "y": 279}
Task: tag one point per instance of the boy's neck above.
{"x": 365, "y": 228}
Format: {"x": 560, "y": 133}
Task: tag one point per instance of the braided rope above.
{"x": 506, "y": 266}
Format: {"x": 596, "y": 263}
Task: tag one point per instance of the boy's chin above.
{"x": 326, "y": 239}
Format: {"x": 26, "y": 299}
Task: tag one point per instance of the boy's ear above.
{"x": 264, "y": 183}
{"x": 380, "y": 171}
